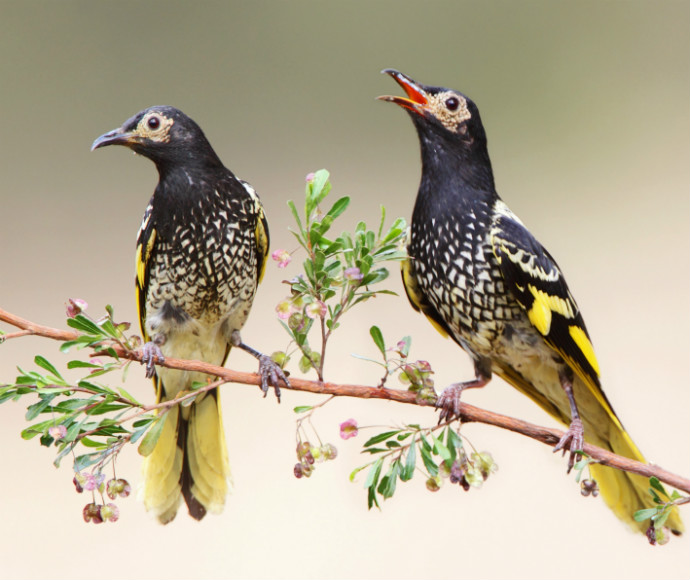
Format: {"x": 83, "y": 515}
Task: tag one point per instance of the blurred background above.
{"x": 586, "y": 108}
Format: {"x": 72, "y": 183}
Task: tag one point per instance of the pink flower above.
{"x": 316, "y": 309}
{"x": 348, "y": 429}
{"x": 57, "y": 432}
{"x": 353, "y": 274}
{"x": 75, "y": 306}
{"x": 281, "y": 256}
{"x": 285, "y": 309}
{"x": 309, "y": 178}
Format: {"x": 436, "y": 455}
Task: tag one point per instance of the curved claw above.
{"x": 449, "y": 400}
{"x": 271, "y": 375}
{"x": 149, "y": 353}
{"x": 449, "y": 403}
{"x": 573, "y": 441}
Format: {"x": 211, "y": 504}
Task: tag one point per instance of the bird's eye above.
{"x": 153, "y": 123}
{"x": 452, "y": 103}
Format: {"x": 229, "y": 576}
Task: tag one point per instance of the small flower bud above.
{"x": 307, "y": 469}
{"x": 329, "y": 451}
{"x": 92, "y": 513}
{"x": 281, "y": 256}
{"x": 434, "y": 483}
{"x": 110, "y": 512}
{"x": 280, "y": 358}
{"x": 75, "y": 306}
{"x": 302, "y": 449}
{"x": 57, "y": 432}
{"x": 316, "y": 454}
{"x": 353, "y": 274}
{"x": 589, "y": 487}
{"x": 79, "y": 480}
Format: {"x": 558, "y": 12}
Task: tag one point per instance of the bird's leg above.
{"x": 574, "y": 438}
{"x": 449, "y": 400}
{"x": 270, "y": 372}
{"x": 152, "y": 351}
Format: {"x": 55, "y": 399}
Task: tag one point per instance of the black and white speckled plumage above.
{"x": 201, "y": 252}
{"x": 482, "y": 278}
{"x": 206, "y": 261}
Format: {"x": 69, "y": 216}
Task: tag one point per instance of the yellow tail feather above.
{"x": 623, "y": 492}
{"x": 190, "y": 451}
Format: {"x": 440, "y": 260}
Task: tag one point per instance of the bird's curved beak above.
{"x": 116, "y": 137}
{"x": 417, "y": 98}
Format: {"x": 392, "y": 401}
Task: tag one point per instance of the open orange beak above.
{"x": 416, "y": 96}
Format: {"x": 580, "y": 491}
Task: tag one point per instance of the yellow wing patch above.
{"x": 261, "y": 236}
{"x": 143, "y": 255}
{"x": 415, "y": 296}
{"x": 544, "y": 304}
{"x": 584, "y": 344}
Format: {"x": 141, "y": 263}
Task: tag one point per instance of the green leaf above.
{"x": 298, "y": 221}
{"x": 377, "y": 337}
{"x": 372, "y": 481}
{"x": 127, "y": 395}
{"x": 355, "y": 471}
{"x": 149, "y": 442}
{"x": 378, "y": 275}
{"x": 36, "y": 429}
{"x": 109, "y": 328}
{"x": 84, "y": 324}
{"x": 320, "y": 187}
{"x": 410, "y": 462}
{"x": 429, "y": 463}
{"x": 383, "y": 219}
{"x": 374, "y": 450}
{"x": 642, "y": 515}
{"x": 36, "y": 409}
{"x": 303, "y": 409}
{"x": 86, "y": 460}
{"x": 339, "y": 207}
{"x": 80, "y": 364}
{"x": 440, "y": 449}
{"x": 44, "y": 364}
{"x": 397, "y": 228}
{"x": 660, "y": 519}
{"x": 656, "y": 484}
{"x": 381, "y": 437}
{"x": 86, "y": 442}
{"x": 389, "y": 481}
{"x": 374, "y": 472}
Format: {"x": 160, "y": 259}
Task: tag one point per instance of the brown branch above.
{"x": 468, "y": 413}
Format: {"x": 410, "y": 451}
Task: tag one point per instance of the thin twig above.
{"x": 468, "y": 413}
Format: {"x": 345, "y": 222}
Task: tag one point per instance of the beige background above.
{"x": 586, "y": 108}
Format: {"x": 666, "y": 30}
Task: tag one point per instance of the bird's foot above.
{"x": 573, "y": 441}
{"x": 448, "y": 402}
{"x": 270, "y": 371}
{"x": 271, "y": 374}
{"x": 149, "y": 353}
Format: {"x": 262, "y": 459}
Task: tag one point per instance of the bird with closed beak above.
{"x": 201, "y": 253}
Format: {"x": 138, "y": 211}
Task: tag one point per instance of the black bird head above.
{"x": 165, "y": 135}
{"x": 450, "y": 130}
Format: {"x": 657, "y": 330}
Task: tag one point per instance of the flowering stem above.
{"x": 468, "y": 413}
